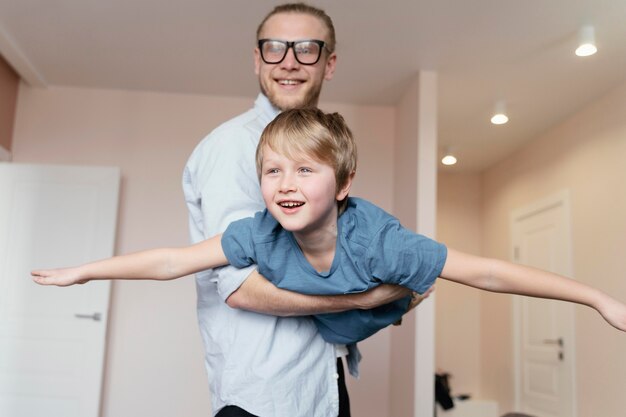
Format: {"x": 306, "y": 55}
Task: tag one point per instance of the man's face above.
{"x": 289, "y": 84}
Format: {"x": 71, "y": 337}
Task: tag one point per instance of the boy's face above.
{"x": 289, "y": 84}
{"x": 301, "y": 195}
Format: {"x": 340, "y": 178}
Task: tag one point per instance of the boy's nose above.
{"x": 287, "y": 183}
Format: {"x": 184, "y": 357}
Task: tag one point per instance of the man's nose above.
{"x": 290, "y": 62}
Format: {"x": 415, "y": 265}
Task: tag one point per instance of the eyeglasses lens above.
{"x": 306, "y": 52}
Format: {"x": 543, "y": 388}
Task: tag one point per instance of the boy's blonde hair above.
{"x": 312, "y": 134}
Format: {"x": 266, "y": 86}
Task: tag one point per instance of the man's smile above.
{"x": 289, "y": 82}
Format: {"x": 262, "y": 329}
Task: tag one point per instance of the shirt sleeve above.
{"x": 402, "y": 257}
{"x": 221, "y": 186}
{"x": 237, "y": 243}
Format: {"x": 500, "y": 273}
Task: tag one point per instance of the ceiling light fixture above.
{"x": 448, "y": 158}
{"x": 499, "y": 117}
{"x": 587, "y": 39}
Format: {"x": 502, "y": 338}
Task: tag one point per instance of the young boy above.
{"x": 313, "y": 239}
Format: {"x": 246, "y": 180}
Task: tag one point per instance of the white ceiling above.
{"x": 483, "y": 51}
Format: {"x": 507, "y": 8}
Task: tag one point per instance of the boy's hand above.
{"x": 416, "y": 298}
{"x": 62, "y": 277}
{"x": 614, "y": 313}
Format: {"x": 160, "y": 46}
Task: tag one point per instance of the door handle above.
{"x": 558, "y": 341}
{"x": 94, "y": 316}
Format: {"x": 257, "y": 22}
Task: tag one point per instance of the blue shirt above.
{"x": 372, "y": 248}
{"x": 269, "y": 366}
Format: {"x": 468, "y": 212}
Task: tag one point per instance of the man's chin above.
{"x": 287, "y": 103}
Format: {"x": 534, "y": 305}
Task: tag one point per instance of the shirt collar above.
{"x": 266, "y": 108}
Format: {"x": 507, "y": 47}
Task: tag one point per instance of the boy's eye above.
{"x": 272, "y": 171}
{"x": 306, "y": 170}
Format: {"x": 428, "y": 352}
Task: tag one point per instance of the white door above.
{"x": 52, "y": 339}
{"x": 544, "y": 329}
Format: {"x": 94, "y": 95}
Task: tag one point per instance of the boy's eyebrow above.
{"x": 297, "y": 161}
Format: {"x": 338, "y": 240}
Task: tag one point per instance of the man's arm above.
{"x": 259, "y": 295}
{"x": 505, "y": 277}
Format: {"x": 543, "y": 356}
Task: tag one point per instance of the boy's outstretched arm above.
{"x": 506, "y": 277}
{"x": 157, "y": 264}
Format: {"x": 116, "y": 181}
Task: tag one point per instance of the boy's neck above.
{"x": 318, "y": 247}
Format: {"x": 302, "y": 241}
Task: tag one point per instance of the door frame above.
{"x": 5, "y": 155}
{"x": 560, "y": 198}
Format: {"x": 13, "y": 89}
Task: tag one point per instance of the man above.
{"x": 268, "y": 364}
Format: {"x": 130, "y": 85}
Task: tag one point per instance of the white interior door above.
{"x": 544, "y": 329}
{"x": 52, "y": 339}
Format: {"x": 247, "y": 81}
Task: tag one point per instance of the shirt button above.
{"x": 336, "y": 376}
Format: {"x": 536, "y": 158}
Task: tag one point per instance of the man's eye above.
{"x": 275, "y": 46}
{"x": 307, "y": 48}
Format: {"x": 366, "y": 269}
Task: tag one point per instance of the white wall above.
{"x": 154, "y": 363}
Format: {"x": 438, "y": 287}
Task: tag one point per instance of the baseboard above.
{"x": 5, "y": 155}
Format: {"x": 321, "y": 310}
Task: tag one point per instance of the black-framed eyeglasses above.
{"x": 307, "y": 51}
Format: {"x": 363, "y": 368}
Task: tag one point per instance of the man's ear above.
{"x": 345, "y": 189}
{"x": 329, "y": 70}
{"x": 257, "y": 61}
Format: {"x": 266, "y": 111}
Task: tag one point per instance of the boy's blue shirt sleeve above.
{"x": 238, "y": 243}
{"x": 402, "y": 257}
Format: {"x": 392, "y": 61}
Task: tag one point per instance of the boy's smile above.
{"x": 289, "y": 205}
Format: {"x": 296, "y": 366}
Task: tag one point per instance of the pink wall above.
{"x": 9, "y": 82}
{"x": 154, "y": 356}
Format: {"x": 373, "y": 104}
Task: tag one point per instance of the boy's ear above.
{"x": 343, "y": 191}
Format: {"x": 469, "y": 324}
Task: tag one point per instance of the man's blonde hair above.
{"x": 303, "y": 8}
{"x": 312, "y": 134}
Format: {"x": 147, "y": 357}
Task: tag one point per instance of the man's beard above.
{"x": 309, "y": 100}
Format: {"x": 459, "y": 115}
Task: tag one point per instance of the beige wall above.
{"x": 9, "y": 82}
{"x": 154, "y": 356}
{"x": 458, "y": 322}
{"x": 584, "y": 154}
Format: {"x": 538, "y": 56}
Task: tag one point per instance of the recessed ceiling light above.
{"x": 499, "y": 119}
{"x": 448, "y": 160}
{"x": 499, "y": 116}
{"x": 448, "y": 157}
{"x": 587, "y": 42}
